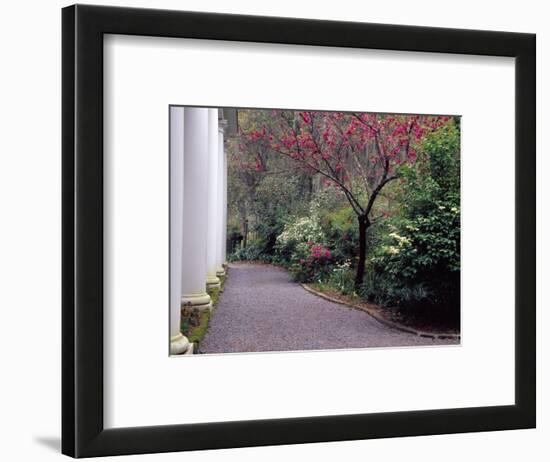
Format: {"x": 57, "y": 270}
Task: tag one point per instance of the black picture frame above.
{"x": 83, "y": 28}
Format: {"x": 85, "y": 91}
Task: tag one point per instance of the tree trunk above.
{"x": 245, "y": 233}
{"x": 309, "y": 187}
{"x": 363, "y": 226}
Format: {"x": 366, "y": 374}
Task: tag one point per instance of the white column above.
{"x": 178, "y": 343}
{"x": 195, "y": 203}
{"x": 220, "y": 260}
{"x": 212, "y": 281}
{"x": 224, "y": 205}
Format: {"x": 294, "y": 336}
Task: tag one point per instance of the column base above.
{"x": 199, "y": 302}
{"x": 179, "y": 345}
{"x": 220, "y": 272}
{"x": 212, "y": 281}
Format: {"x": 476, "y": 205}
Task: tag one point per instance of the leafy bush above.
{"x": 270, "y": 222}
{"x": 297, "y": 232}
{"x": 386, "y": 291}
{"x": 423, "y": 257}
{"x": 311, "y": 262}
{"x": 342, "y": 233}
{"x": 254, "y": 251}
{"x": 272, "y": 204}
{"x": 342, "y": 278}
{"x": 418, "y": 262}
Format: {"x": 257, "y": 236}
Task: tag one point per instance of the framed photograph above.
{"x": 281, "y": 231}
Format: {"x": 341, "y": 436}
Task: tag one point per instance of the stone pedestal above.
{"x": 179, "y": 345}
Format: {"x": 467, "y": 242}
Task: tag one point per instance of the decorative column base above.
{"x": 220, "y": 272}
{"x": 179, "y": 345}
{"x": 199, "y": 302}
{"x": 212, "y": 281}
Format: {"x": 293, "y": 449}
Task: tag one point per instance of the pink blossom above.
{"x": 305, "y": 117}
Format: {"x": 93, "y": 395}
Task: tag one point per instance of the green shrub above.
{"x": 392, "y": 292}
{"x": 252, "y": 252}
{"x": 342, "y": 233}
{"x": 342, "y": 278}
{"x": 311, "y": 262}
{"x": 418, "y": 261}
{"x": 291, "y": 243}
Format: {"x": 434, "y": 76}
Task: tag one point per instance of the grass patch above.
{"x": 214, "y": 295}
{"x": 194, "y": 322}
{"x": 331, "y": 289}
{"x": 196, "y": 333}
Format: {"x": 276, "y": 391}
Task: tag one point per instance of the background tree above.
{"x": 264, "y": 188}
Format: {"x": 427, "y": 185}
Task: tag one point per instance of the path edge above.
{"x": 379, "y": 318}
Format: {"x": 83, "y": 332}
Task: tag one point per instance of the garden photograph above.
{"x": 294, "y": 230}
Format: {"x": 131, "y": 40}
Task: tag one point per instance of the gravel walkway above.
{"x": 261, "y": 309}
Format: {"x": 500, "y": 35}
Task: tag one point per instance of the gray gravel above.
{"x": 262, "y": 309}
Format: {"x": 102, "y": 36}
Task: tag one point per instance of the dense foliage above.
{"x": 368, "y": 204}
{"x": 419, "y": 260}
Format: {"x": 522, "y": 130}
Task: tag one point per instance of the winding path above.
{"x": 261, "y": 309}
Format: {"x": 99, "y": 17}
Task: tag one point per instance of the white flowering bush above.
{"x": 420, "y": 259}
{"x": 395, "y": 245}
{"x": 305, "y": 229}
{"x": 299, "y": 232}
{"x": 342, "y": 277}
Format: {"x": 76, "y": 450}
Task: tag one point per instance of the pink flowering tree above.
{"x": 358, "y": 154}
